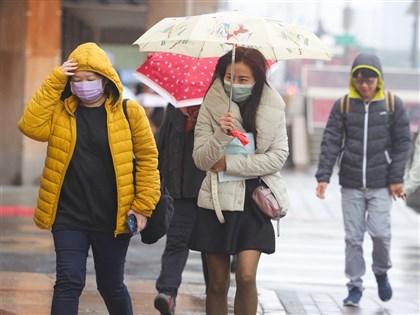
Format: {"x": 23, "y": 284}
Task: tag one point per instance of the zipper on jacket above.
{"x": 107, "y": 109}
{"x": 73, "y": 130}
{"x": 365, "y": 139}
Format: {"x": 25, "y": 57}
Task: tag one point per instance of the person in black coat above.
{"x": 183, "y": 179}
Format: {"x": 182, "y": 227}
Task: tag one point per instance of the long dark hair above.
{"x": 256, "y": 61}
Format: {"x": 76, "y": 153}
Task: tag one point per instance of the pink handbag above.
{"x": 265, "y": 200}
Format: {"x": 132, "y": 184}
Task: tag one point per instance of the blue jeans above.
{"x": 109, "y": 252}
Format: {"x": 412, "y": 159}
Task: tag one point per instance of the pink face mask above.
{"x": 87, "y": 91}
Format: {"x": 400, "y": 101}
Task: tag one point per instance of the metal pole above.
{"x": 189, "y": 8}
{"x": 414, "y": 46}
{"x": 232, "y": 66}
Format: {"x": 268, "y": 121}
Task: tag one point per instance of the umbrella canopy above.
{"x": 212, "y": 35}
{"x": 181, "y": 80}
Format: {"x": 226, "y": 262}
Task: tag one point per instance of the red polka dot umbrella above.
{"x": 181, "y": 80}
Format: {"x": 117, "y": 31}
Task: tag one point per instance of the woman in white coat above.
{"x": 228, "y": 222}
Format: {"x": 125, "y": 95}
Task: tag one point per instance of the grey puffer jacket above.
{"x": 371, "y": 143}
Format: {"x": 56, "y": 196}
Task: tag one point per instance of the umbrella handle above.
{"x": 232, "y": 75}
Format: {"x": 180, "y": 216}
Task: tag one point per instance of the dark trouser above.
{"x": 109, "y": 252}
{"x": 176, "y": 251}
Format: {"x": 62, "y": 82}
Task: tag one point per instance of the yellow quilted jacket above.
{"x": 50, "y": 117}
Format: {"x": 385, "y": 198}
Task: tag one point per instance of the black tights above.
{"x": 246, "y": 299}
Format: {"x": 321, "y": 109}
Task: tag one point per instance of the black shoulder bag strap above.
{"x": 124, "y": 105}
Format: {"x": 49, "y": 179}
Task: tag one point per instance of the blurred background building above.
{"x": 38, "y": 35}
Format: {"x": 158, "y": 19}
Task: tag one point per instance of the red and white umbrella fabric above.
{"x": 181, "y": 80}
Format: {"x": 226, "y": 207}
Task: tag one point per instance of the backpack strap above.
{"x": 389, "y": 99}
{"x": 342, "y": 100}
{"x": 345, "y": 104}
{"x": 344, "y": 109}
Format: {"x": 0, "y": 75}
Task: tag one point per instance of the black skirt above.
{"x": 250, "y": 229}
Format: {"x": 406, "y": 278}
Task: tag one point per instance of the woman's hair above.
{"x": 256, "y": 61}
{"x": 111, "y": 90}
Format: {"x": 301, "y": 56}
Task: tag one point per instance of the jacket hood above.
{"x": 91, "y": 57}
{"x": 371, "y": 62}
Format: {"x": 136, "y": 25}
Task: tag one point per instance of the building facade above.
{"x": 37, "y": 36}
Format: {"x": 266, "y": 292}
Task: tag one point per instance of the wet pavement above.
{"x": 304, "y": 276}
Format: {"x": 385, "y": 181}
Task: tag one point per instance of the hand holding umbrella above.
{"x": 227, "y": 124}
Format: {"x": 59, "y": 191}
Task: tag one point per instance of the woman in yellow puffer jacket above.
{"x": 87, "y": 187}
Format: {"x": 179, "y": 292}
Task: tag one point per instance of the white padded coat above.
{"x": 270, "y": 154}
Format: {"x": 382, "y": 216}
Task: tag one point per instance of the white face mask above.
{"x": 240, "y": 91}
{"x": 87, "y": 91}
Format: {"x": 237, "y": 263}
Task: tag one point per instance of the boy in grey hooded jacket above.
{"x": 370, "y": 136}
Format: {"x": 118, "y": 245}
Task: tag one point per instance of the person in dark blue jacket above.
{"x": 368, "y": 132}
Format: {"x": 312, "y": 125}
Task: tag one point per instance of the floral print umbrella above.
{"x": 212, "y": 35}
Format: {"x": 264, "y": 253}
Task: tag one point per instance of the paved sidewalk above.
{"x": 30, "y": 294}
{"x": 304, "y": 276}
